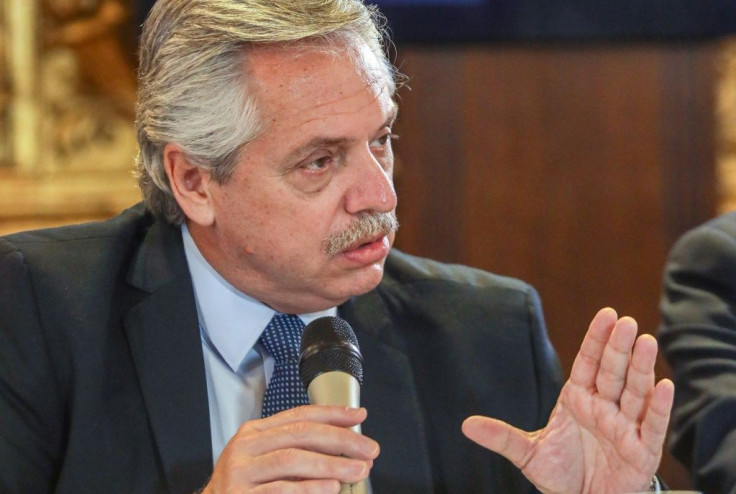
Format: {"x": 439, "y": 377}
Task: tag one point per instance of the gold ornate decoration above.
{"x": 726, "y": 126}
{"x": 67, "y": 99}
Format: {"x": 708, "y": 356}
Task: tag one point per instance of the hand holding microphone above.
{"x": 311, "y": 444}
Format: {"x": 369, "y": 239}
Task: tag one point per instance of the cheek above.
{"x": 284, "y": 233}
{"x": 276, "y": 222}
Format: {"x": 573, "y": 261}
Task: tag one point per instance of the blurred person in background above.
{"x": 698, "y": 338}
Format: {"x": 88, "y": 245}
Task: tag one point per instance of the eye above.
{"x": 314, "y": 173}
{"x": 318, "y": 164}
{"x": 384, "y": 140}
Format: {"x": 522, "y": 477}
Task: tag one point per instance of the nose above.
{"x": 372, "y": 184}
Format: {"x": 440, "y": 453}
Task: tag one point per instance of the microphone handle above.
{"x": 339, "y": 388}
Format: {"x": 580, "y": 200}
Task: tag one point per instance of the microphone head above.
{"x": 329, "y": 344}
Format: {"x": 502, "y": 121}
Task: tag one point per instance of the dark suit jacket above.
{"x": 102, "y": 384}
{"x": 698, "y": 337}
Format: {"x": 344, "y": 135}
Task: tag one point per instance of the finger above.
{"x": 302, "y": 464}
{"x": 325, "y": 414}
{"x": 498, "y": 436}
{"x": 587, "y": 362}
{"x": 313, "y": 436}
{"x": 614, "y": 365}
{"x": 301, "y": 487}
{"x": 657, "y": 417}
{"x": 640, "y": 378}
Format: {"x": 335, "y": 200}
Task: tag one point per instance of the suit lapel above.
{"x": 167, "y": 353}
{"x": 389, "y": 393}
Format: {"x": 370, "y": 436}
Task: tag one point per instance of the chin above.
{"x": 367, "y": 280}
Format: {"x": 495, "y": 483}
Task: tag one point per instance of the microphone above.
{"x": 331, "y": 368}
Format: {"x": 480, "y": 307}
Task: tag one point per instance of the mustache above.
{"x": 366, "y": 227}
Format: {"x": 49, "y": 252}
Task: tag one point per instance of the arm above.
{"x": 547, "y": 370}
{"x": 698, "y": 338}
{"x": 30, "y": 405}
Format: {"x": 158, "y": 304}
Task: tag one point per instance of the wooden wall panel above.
{"x": 571, "y": 167}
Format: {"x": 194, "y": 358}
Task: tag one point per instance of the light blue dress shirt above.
{"x": 237, "y": 367}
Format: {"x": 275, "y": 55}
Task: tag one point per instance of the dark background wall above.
{"x": 525, "y": 20}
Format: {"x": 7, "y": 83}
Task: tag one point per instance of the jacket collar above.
{"x": 165, "y": 344}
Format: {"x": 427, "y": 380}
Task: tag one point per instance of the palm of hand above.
{"x": 592, "y": 441}
{"x": 606, "y": 432}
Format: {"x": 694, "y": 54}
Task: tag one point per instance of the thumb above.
{"x": 498, "y": 436}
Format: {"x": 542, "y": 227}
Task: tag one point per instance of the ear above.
{"x": 189, "y": 184}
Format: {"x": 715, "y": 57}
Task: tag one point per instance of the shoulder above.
{"x": 75, "y": 263}
{"x": 712, "y": 242}
{"x": 404, "y": 269}
{"x": 495, "y": 322}
{"x": 432, "y": 289}
{"x": 725, "y": 223}
{"x": 700, "y": 278}
{"x": 721, "y": 229}
{"x": 121, "y": 225}
{"x": 85, "y": 241}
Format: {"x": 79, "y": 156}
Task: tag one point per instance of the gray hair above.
{"x": 192, "y": 83}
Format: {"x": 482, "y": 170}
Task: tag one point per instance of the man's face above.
{"x": 322, "y": 160}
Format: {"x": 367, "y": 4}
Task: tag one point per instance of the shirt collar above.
{"x": 232, "y": 320}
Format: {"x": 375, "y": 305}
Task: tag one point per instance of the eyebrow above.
{"x": 318, "y": 142}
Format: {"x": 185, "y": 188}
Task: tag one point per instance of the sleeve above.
{"x": 698, "y": 338}
{"x": 548, "y": 371}
{"x": 30, "y": 422}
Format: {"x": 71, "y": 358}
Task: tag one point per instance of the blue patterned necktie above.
{"x": 282, "y": 339}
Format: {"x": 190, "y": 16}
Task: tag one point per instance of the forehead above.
{"x": 295, "y": 80}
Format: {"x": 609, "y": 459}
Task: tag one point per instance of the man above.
{"x": 698, "y": 337}
{"x": 131, "y": 357}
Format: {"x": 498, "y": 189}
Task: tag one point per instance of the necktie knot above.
{"x": 282, "y": 339}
